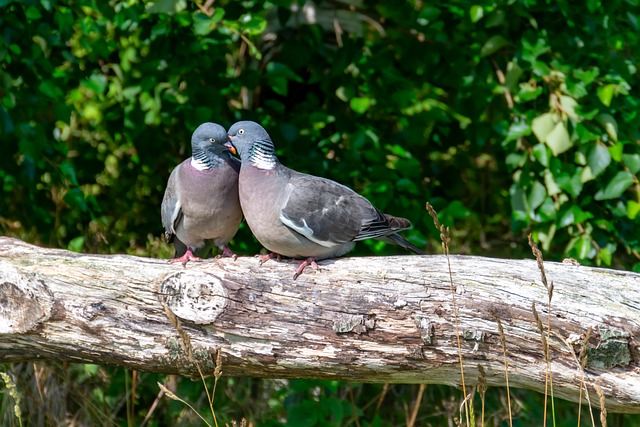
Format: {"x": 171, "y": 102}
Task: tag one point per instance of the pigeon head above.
{"x": 209, "y": 138}
{"x": 253, "y": 144}
{"x": 207, "y": 146}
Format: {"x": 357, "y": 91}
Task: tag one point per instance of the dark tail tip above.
{"x": 401, "y": 241}
{"x": 397, "y": 223}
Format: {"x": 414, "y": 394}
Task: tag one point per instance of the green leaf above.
{"x": 494, "y": 44}
{"x": 528, "y": 92}
{"x": 609, "y": 124}
{"x": 583, "y": 247}
{"x": 50, "y": 89}
{"x": 550, "y": 183}
{"x": 585, "y": 134}
{"x": 76, "y": 244}
{"x": 587, "y": 76}
{"x": 616, "y": 186}
{"x": 542, "y": 153}
{"x": 593, "y": 5}
{"x": 605, "y": 254}
{"x": 515, "y": 160}
{"x": 573, "y": 215}
{"x": 69, "y": 172}
{"x": 605, "y": 93}
{"x": 455, "y": 210}
{"x": 166, "y": 6}
{"x": 513, "y": 75}
{"x": 476, "y": 13}
{"x": 75, "y": 199}
{"x": 536, "y": 196}
{"x": 616, "y": 151}
{"x": 202, "y": 24}
{"x": 632, "y": 161}
{"x": 558, "y": 139}
{"x": 360, "y": 104}
{"x": 518, "y": 129}
{"x": 547, "y": 238}
{"x": 598, "y": 159}
{"x": 304, "y": 414}
{"x": 33, "y": 13}
{"x": 279, "y": 75}
{"x": 569, "y": 105}
{"x": 633, "y": 208}
{"x": 547, "y": 210}
{"x": 543, "y": 125}
{"x": 571, "y": 183}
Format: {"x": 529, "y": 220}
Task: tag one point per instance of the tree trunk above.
{"x": 403, "y": 319}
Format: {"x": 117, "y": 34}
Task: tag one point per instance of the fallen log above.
{"x": 401, "y": 319}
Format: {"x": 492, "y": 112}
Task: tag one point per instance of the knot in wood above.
{"x": 25, "y": 301}
{"x": 195, "y": 296}
{"x": 357, "y": 323}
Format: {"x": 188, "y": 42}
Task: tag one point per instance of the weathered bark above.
{"x": 383, "y": 319}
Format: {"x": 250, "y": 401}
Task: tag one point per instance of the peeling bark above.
{"x": 382, "y": 319}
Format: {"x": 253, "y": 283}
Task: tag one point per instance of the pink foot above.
{"x": 184, "y": 259}
{"x": 303, "y": 264}
{"x": 227, "y": 253}
{"x": 267, "y": 257}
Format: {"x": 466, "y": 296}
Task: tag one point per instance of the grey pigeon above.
{"x": 303, "y": 216}
{"x": 201, "y": 205}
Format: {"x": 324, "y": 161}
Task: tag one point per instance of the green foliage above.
{"x": 509, "y": 118}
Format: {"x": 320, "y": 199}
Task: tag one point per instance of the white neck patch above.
{"x": 264, "y": 163}
{"x": 199, "y": 164}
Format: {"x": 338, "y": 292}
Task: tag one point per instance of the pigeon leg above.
{"x": 303, "y": 264}
{"x": 227, "y": 253}
{"x": 184, "y": 259}
{"x": 267, "y": 257}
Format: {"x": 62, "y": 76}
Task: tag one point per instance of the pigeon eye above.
{"x": 212, "y": 139}
{"x": 241, "y": 131}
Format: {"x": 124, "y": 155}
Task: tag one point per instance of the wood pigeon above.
{"x": 201, "y": 205}
{"x": 303, "y": 216}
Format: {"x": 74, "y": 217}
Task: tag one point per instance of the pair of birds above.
{"x": 292, "y": 214}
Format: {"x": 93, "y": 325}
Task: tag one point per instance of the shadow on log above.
{"x": 382, "y": 319}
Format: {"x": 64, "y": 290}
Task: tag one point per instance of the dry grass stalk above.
{"x": 445, "y": 237}
{"x": 482, "y": 389}
{"x": 503, "y": 341}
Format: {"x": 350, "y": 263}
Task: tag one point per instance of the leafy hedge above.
{"x": 509, "y": 117}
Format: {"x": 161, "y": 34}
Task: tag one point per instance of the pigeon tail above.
{"x": 397, "y": 223}
{"x": 395, "y": 239}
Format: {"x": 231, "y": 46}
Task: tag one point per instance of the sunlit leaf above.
{"x": 543, "y": 125}
{"x": 558, "y": 139}
{"x": 605, "y": 93}
{"x": 476, "y": 13}
{"x": 633, "y": 208}
{"x": 360, "y": 104}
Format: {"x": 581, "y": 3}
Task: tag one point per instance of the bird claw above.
{"x": 227, "y": 253}
{"x": 266, "y": 257}
{"x": 303, "y": 264}
{"x": 184, "y": 259}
